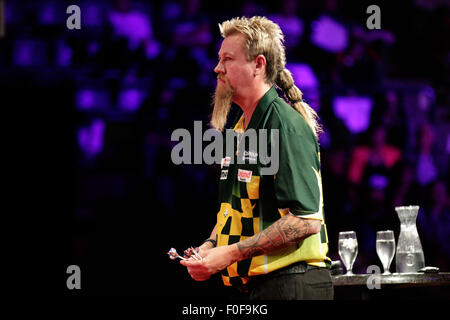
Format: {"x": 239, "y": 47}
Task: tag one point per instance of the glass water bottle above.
{"x": 409, "y": 257}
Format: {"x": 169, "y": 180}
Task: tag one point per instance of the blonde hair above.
{"x": 265, "y": 37}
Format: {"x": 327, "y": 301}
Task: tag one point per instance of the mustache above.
{"x": 223, "y": 78}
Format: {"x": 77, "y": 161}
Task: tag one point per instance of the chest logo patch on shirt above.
{"x": 244, "y": 175}
{"x": 250, "y": 155}
{"x": 223, "y": 174}
{"x": 225, "y": 162}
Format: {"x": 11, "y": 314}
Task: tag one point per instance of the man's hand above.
{"x": 214, "y": 260}
{"x": 206, "y": 246}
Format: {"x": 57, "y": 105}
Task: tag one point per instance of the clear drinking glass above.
{"x": 385, "y": 248}
{"x": 348, "y": 249}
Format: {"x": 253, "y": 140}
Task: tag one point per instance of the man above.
{"x": 270, "y": 239}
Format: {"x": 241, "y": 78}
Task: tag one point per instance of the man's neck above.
{"x": 248, "y": 104}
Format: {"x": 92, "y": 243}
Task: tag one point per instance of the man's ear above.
{"x": 260, "y": 65}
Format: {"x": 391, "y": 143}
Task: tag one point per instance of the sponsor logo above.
{"x": 225, "y": 162}
{"x": 250, "y": 155}
{"x": 223, "y": 174}
{"x": 244, "y": 175}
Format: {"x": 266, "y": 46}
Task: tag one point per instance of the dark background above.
{"x": 93, "y": 111}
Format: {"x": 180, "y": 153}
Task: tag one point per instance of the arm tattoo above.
{"x": 282, "y": 234}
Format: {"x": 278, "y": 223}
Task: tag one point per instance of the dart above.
{"x": 173, "y": 254}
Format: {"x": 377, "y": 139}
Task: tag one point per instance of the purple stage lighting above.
{"x": 303, "y": 75}
{"x": 88, "y": 99}
{"x": 354, "y": 112}
{"x": 29, "y": 52}
{"x": 90, "y": 138}
{"x": 329, "y": 34}
{"x": 130, "y": 99}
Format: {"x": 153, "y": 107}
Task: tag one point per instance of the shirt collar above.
{"x": 260, "y": 110}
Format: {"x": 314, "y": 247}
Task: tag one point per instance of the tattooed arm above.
{"x": 283, "y": 233}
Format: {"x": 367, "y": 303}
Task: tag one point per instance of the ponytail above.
{"x": 285, "y": 81}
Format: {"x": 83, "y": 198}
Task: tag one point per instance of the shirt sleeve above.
{"x": 297, "y": 184}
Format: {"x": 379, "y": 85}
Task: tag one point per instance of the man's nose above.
{"x": 219, "y": 68}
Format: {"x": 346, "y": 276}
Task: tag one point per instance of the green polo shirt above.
{"x": 250, "y": 201}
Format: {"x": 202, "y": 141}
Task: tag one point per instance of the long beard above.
{"x": 222, "y": 99}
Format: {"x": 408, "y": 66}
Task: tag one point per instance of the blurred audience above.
{"x": 371, "y": 164}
